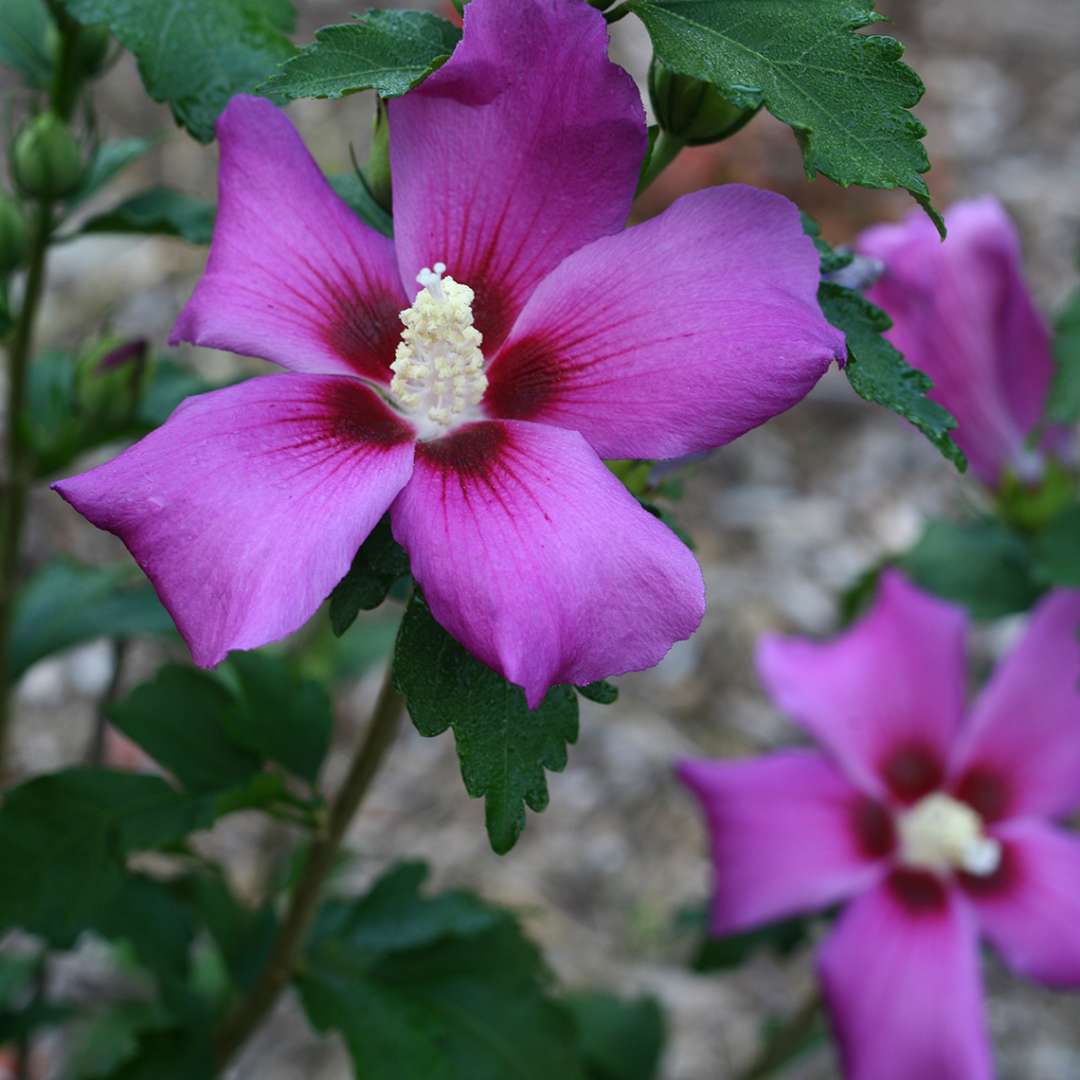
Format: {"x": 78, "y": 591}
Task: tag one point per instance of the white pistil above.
{"x": 943, "y": 835}
{"x": 439, "y": 368}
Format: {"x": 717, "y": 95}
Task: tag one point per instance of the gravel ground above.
{"x": 784, "y": 519}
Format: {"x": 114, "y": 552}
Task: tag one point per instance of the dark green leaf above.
{"x": 441, "y": 989}
{"x": 618, "y": 1039}
{"x": 64, "y": 837}
{"x": 878, "y": 373}
{"x": 109, "y": 160}
{"x": 379, "y": 563}
{"x": 603, "y": 693}
{"x": 1063, "y": 405}
{"x": 386, "y": 51}
{"x": 195, "y": 54}
{"x": 722, "y": 954}
{"x": 24, "y": 28}
{"x": 180, "y": 719}
{"x": 846, "y": 95}
{"x": 168, "y": 385}
{"x": 159, "y": 211}
{"x": 353, "y": 190}
{"x": 982, "y": 565}
{"x": 503, "y": 748}
{"x": 831, "y": 261}
{"x": 174, "y": 1054}
{"x": 1057, "y": 551}
{"x": 282, "y": 718}
{"x": 65, "y": 604}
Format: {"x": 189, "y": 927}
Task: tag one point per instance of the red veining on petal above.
{"x": 873, "y": 826}
{"x": 1000, "y": 881}
{"x": 986, "y": 791}
{"x": 918, "y": 891}
{"x": 364, "y": 328}
{"x": 469, "y": 452}
{"x": 523, "y": 380}
{"x": 912, "y": 771}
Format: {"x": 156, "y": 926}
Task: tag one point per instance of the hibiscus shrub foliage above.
{"x": 457, "y": 479}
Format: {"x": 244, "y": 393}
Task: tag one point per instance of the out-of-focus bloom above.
{"x": 962, "y": 313}
{"x": 555, "y": 338}
{"x": 936, "y": 826}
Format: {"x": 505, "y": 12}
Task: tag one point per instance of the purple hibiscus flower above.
{"x": 962, "y": 313}
{"x": 935, "y": 826}
{"x": 542, "y": 338}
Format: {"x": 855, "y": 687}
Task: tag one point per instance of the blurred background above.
{"x": 609, "y": 878}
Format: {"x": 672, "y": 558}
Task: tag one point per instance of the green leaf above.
{"x": 434, "y": 989}
{"x": 169, "y": 384}
{"x": 878, "y": 373}
{"x": 180, "y": 719}
{"x": 385, "y": 51}
{"x": 64, "y": 838}
{"x": 602, "y": 692}
{"x": 846, "y": 95}
{"x": 1057, "y": 551}
{"x": 65, "y": 604}
{"x": 503, "y": 748}
{"x": 174, "y": 1054}
{"x": 109, "y": 160}
{"x": 353, "y": 190}
{"x": 159, "y": 211}
{"x": 380, "y": 562}
{"x": 982, "y": 565}
{"x": 1063, "y": 405}
{"x": 24, "y": 30}
{"x": 282, "y": 718}
{"x": 724, "y": 954}
{"x": 195, "y": 54}
{"x": 619, "y": 1040}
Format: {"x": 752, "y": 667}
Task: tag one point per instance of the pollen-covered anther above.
{"x": 439, "y": 368}
{"x": 943, "y": 835}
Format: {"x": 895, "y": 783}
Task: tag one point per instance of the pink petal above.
{"x": 1020, "y": 753}
{"x": 1030, "y": 909}
{"x": 523, "y": 147}
{"x": 902, "y": 986}
{"x": 247, "y": 506}
{"x": 886, "y": 697}
{"x": 789, "y": 833}
{"x": 294, "y": 276}
{"x": 675, "y": 336}
{"x": 963, "y": 314}
{"x": 539, "y": 561}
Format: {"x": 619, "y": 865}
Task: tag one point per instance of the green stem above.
{"x": 19, "y": 463}
{"x": 787, "y": 1041}
{"x": 64, "y": 91}
{"x": 250, "y": 1011}
{"x": 95, "y": 750}
{"x": 664, "y": 151}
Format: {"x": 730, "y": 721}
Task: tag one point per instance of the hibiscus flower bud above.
{"x": 377, "y": 169}
{"x": 109, "y": 382}
{"x": 91, "y": 49}
{"x": 46, "y": 162}
{"x": 692, "y": 110}
{"x": 12, "y": 235}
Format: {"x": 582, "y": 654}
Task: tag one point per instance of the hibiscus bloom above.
{"x": 543, "y": 337}
{"x": 962, "y": 313}
{"x": 934, "y": 826}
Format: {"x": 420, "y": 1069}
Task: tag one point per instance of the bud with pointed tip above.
{"x": 695, "y": 112}
{"x": 46, "y": 162}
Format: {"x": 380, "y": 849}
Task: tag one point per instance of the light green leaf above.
{"x": 385, "y": 51}
{"x": 24, "y": 27}
{"x": 109, "y": 160}
{"x": 846, "y": 95}
{"x": 161, "y": 212}
{"x": 503, "y": 748}
{"x": 196, "y": 54}
{"x": 1057, "y": 551}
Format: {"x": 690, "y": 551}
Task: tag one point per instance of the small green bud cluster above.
{"x": 693, "y": 111}
{"x": 46, "y": 161}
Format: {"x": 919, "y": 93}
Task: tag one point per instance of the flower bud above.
{"x": 695, "y": 112}
{"x": 377, "y": 169}
{"x": 91, "y": 48}
{"x": 12, "y": 235}
{"x": 109, "y": 381}
{"x": 46, "y": 162}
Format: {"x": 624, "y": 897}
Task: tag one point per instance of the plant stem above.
{"x": 19, "y": 465}
{"x": 304, "y": 903}
{"x": 664, "y": 151}
{"x": 616, "y": 13}
{"x": 95, "y": 750}
{"x": 787, "y": 1041}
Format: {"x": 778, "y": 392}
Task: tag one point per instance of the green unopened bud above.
{"x": 91, "y": 48}
{"x": 377, "y": 169}
{"x": 108, "y": 383}
{"x": 12, "y": 235}
{"x": 46, "y": 162}
{"x": 693, "y": 111}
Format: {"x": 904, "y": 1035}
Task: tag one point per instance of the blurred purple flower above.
{"x": 963, "y": 314}
{"x": 935, "y": 826}
{"x": 514, "y": 167}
